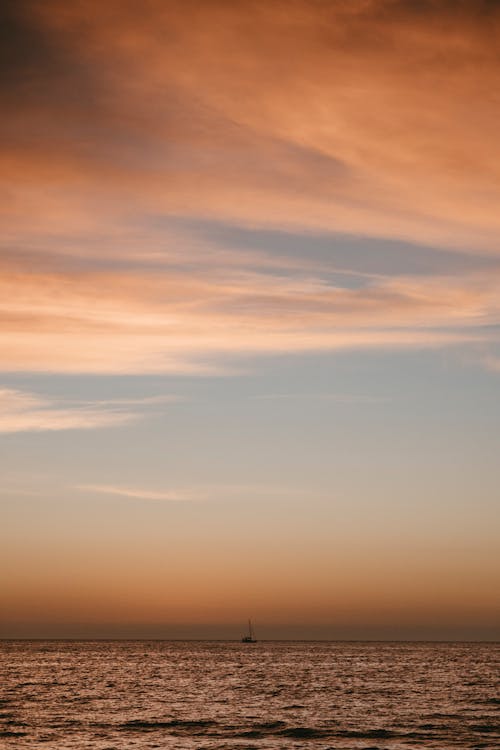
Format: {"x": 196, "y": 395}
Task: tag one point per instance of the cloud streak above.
{"x": 22, "y": 411}
{"x": 175, "y": 321}
{"x": 208, "y": 491}
{"x": 139, "y": 494}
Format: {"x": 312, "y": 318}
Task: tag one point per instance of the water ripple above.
{"x": 225, "y": 696}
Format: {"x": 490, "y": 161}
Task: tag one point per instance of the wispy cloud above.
{"x": 144, "y": 401}
{"x": 207, "y": 491}
{"x": 140, "y": 494}
{"x": 22, "y": 411}
{"x": 113, "y": 321}
{"x": 26, "y": 412}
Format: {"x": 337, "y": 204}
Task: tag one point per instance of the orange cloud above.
{"x": 26, "y": 412}
{"x": 113, "y": 321}
{"x": 21, "y": 411}
{"x": 139, "y": 494}
{"x": 371, "y": 118}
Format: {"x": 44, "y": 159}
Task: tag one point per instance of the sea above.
{"x": 214, "y": 695}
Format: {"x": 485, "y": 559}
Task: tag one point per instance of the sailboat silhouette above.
{"x": 249, "y": 638}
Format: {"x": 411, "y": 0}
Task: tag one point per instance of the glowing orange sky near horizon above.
{"x": 160, "y": 167}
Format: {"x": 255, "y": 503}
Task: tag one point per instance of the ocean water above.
{"x": 225, "y": 695}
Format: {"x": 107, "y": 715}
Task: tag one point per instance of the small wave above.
{"x": 454, "y": 717}
{"x": 430, "y": 727}
{"x": 485, "y": 728}
{"x": 280, "y": 729}
{"x": 9, "y": 733}
{"x": 368, "y": 734}
{"x": 269, "y": 725}
{"x": 276, "y": 729}
{"x": 144, "y": 724}
{"x": 251, "y": 734}
{"x": 258, "y": 731}
{"x": 192, "y": 723}
{"x": 305, "y": 733}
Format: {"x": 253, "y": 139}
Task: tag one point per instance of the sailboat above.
{"x": 249, "y": 638}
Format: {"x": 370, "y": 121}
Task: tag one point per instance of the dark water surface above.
{"x": 164, "y": 694}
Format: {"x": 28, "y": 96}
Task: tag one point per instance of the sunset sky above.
{"x": 250, "y": 318}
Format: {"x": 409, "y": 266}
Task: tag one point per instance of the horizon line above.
{"x": 259, "y": 640}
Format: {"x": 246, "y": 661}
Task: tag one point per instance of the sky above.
{"x": 250, "y": 319}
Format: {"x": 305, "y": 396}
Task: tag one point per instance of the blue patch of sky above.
{"x": 390, "y": 416}
{"x": 355, "y": 253}
{"x": 337, "y": 258}
{"x": 436, "y": 377}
